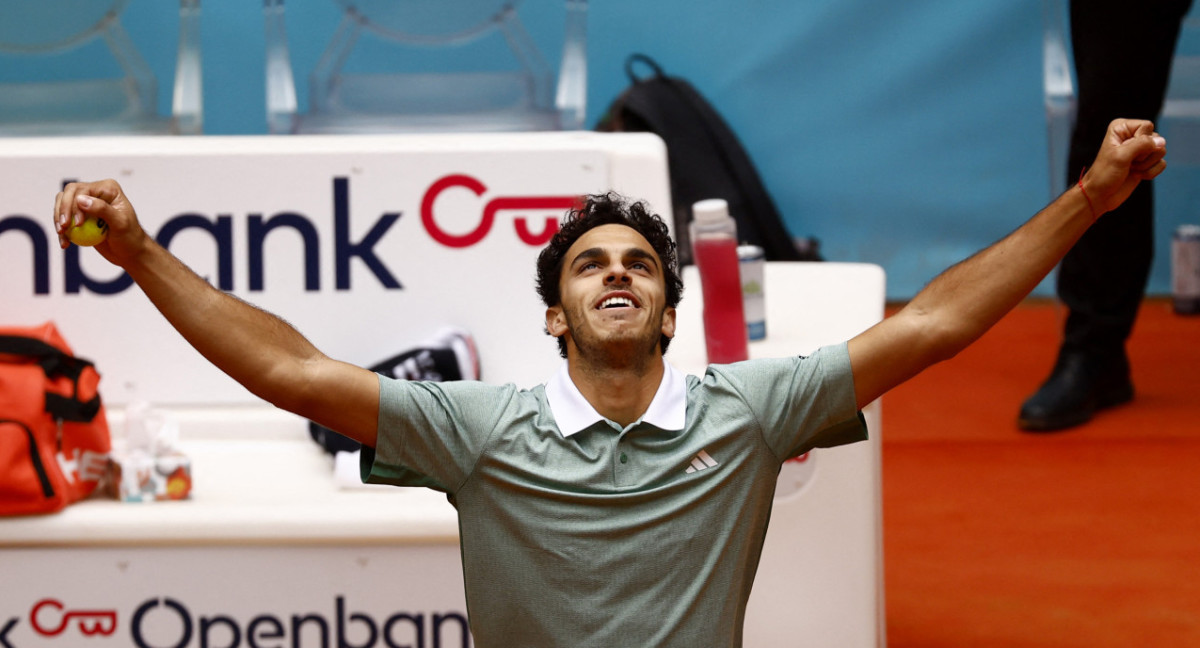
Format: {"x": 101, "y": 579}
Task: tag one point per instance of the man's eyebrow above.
{"x": 590, "y": 254}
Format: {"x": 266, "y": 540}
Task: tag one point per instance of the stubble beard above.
{"x": 621, "y": 351}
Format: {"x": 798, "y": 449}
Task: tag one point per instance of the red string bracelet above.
{"x": 1085, "y": 196}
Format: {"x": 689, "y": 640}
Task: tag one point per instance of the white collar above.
{"x": 573, "y": 413}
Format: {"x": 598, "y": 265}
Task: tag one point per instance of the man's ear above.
{"x": 556, "y": 323}
{"x": 668, "y": 322}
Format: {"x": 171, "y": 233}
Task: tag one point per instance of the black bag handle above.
{"x": 54, "y": 362}
{"x": 645, "y": 60}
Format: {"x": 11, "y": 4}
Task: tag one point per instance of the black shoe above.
{"x": 449, "y": 355}
{"x": 1080, "y": 385}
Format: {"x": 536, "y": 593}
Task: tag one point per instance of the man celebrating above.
{"x": 581, "y": 524}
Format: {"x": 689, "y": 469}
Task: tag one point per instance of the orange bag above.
{"x": 54, "y": 439}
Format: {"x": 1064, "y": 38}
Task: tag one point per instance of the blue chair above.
{"x": 516, "y": 91}
{"x": 42, "y": 36}
{"x": 1058, "y": 84}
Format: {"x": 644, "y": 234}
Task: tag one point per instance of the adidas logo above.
{"x": 700, "y": 462}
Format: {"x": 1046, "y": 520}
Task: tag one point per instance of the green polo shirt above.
{"x": 603, "y": 536}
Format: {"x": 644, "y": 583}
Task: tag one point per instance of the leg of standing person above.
{"x": 1123, "y": 53}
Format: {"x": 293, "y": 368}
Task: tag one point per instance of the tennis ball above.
{"x": 92, "y": 232}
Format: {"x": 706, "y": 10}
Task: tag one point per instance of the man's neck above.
{"x": 619, "y": 394}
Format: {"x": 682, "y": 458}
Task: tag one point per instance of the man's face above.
{"x": 613, "y": 297}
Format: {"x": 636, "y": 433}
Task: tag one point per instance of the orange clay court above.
{"x": 1086, "y": 537}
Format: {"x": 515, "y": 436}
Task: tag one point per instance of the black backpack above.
{"x": 705, "y": 160}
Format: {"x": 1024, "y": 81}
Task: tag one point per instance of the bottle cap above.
{"x": 710, "y": 211}
{"x": 750, "y": 253}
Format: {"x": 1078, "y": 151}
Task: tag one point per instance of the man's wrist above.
{"x": 1095, "y": 213}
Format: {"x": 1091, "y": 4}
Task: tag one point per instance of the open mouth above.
{"x": 618, "y": 300}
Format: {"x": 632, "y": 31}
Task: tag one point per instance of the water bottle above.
{"x": 714, "y": 251}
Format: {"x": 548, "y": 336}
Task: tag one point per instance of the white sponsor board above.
{"x": 367, "y": 245}
{"x": 261, "y": 597}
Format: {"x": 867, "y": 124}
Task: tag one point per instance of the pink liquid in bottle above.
{"x": 724, "y": 318}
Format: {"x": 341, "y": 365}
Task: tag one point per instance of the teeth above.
{"x": 613, "y": 302}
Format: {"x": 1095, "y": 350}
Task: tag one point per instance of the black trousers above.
{"x": 1123, "y": 53}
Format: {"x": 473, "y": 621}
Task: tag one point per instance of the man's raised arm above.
{"x": 963, "y": 302}
{"x": 255, "y": 348}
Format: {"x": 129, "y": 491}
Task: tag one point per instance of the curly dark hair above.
{"x": 607, "y": 209}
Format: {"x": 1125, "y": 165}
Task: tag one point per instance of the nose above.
{"x": 616, "y": 275}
